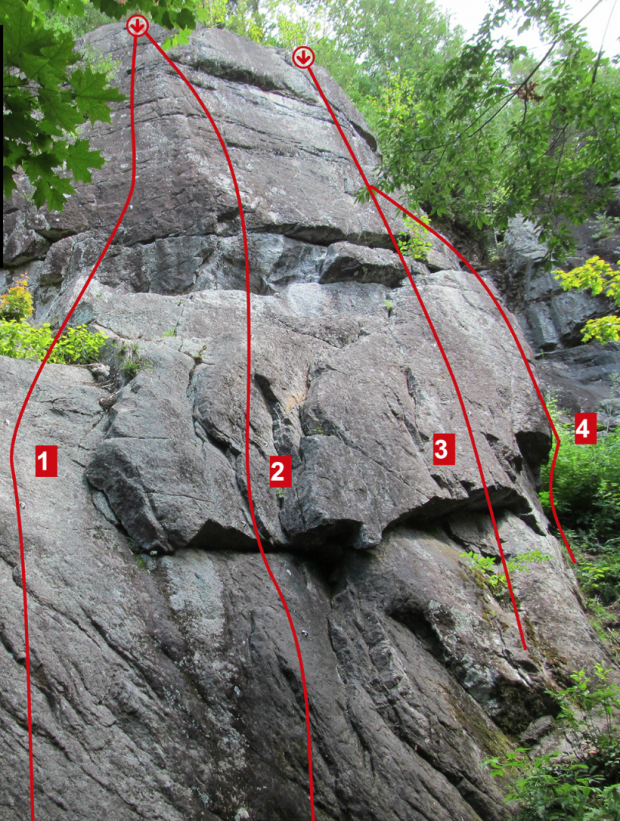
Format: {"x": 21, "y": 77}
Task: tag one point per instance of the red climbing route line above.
{"x": 21, "y": 414}
{"x": 247, "y": 413}
{"x": 517, "y": 342}
{"x": 439, "y": 345}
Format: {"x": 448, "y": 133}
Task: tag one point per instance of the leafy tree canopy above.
{"x": 599, "y": 277}
{"x": 49, "y": 90}
{"x": 491, "y": 133}
{"x": 473, "y": 131}
{"x": 365, "y": 42}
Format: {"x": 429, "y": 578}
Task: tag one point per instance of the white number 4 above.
{"x": 582, "y": 429}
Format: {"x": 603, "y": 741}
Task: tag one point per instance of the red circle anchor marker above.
{"x": 137, "y": 25}
{"x": 303, "y": 57}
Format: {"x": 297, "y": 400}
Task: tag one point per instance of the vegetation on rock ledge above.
{"x": 583, "y": 782}
{"x": 21, "y": 340}
{"x": 474, "y": 131}
{"x": 599, "y": 277}
{"x": 586, "y": 492}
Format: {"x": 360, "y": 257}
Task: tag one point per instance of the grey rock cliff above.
{"x": 165, "y": 680}
{"x": 581, "y": 376}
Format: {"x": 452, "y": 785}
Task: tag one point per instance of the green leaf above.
{"x": 8, "y": 181}
{"x": 80, "y": 159}
{"x": 48, "y": 186}
{"x": 59, "y": 112}
{"x": 111, "y": 8}
{"x": 185, "y": 19}
{"x": 92, "y": 96}
{"x": 67, "y": 7}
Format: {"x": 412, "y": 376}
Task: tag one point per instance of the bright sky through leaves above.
{"x": 470, "y": 13}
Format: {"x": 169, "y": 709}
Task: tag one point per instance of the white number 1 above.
{"x": 43, "y": 457}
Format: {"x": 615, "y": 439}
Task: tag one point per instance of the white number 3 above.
{"x": 442, "y": 451}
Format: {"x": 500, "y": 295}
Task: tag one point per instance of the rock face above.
{"x": 165, "y": 680}
{"x": 581, "y": 376}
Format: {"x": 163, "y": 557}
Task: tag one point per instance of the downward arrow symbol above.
{"x": 137, "y": 25}
{"x": 303, "y": 57}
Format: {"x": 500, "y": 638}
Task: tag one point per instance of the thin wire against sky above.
{"x": 603, "y": 25}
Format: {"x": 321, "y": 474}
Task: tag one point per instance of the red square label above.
{"x": 585, "y": 429}
{"x": 280, "y": 471}
{"x": 46, "y": 460}
{"x": 444, "y": 448}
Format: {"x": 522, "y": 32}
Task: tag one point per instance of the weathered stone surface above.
{"x": 343, "y": 392}
{"x": 277, "y": 261}
{"x": 346, "y": 262}
{"x": 554, "y": 317}
{"x": 167, "y": 487}
{"x": 57, "y": 262}
{"x": 440, "y": 257}
{"x": 172, "y": 689}
{"x": 21, "y": 244}
{"x": 165, "y": 678}
{"x": 580, "y": 375}
{"x": 184, "y": 186}
{"x": 522, "y": 247}
{"x": 544, "y": 333}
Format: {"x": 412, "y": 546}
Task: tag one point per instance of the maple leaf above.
{"x": 53, "y": 191}
{"x": 80, "y": 159}
{"x": 48, "y": 185}
{"x": 65, "y": 7}
{"x": 45, "y": 98}
{"x": 59, "y": 112}
{"x": 185, "y": 19}
{"x": 91, "y": 95}
{"x": 112, "y": 9}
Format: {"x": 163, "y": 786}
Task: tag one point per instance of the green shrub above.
{"x": 17, "y": 302}
{"x": 130, "y": 361}
{"x": 586, "y": 484}
{"x": 584, "y": 783}
{"x": 586, "y": 490}
{"x": 598, "y": 276}
{"x": 488, "y": 573}
{"x": 418, "y": 243}
{"x": 607, "y": 226}
{"x": 599, "y": 577}
{"x": 20, "y": 340}
{"x": 77, "y": 25}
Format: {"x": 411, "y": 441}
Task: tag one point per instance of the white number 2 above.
{"x": 43, "y": 457}
{"x": 582, "y": 428}
{"x": 276, "y": 476}
{"x": 443, "y": 449}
